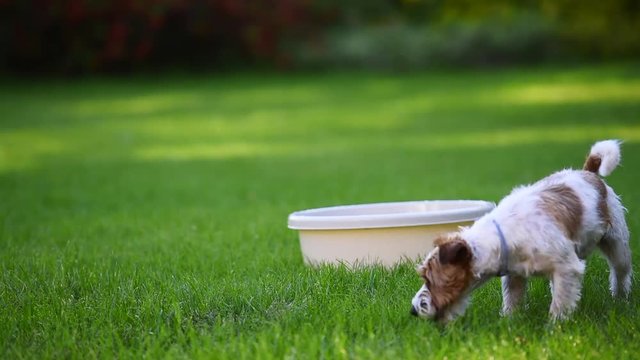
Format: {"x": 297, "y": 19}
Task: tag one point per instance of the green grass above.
{"x": 147, "y": 216}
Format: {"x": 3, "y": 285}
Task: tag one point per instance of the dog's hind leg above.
{"x": 566, "y": 286}
{"x": 513, "y": 291}
{"x": 615, "y": 247}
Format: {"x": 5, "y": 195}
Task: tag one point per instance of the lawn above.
{"x": 147, "y": 216}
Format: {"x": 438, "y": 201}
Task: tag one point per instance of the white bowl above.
{"x": 383, "y": 233}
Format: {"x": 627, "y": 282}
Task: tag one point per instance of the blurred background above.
{"x": 75, "y": 37}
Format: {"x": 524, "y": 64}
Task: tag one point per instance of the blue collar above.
{"x": 504, "y": 252}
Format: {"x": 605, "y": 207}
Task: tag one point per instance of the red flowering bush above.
{"x": 104, "y": 35}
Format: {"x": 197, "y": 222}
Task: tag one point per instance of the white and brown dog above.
{"x": 547, "y": 228}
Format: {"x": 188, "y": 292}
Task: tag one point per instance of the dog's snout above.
{"x": 413, "y": 311}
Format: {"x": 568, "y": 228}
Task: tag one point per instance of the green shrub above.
{"x": 400, "y": 46}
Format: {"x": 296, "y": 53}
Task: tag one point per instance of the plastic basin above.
{"x": 382, "y": 233}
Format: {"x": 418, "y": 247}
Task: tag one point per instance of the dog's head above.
{"x": 447, "y": 276}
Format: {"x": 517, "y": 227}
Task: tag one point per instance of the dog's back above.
{"x": 576, "y": 205}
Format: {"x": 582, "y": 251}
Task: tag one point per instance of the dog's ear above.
{"x": 454, "y": 252}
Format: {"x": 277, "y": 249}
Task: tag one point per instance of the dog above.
{"x": 544, "y": 229}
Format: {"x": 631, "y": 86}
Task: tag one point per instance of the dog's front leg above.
{"x": 566, "y": 286}
{"x": 513, "y": 291}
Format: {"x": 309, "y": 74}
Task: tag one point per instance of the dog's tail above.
{"x": 603, "y": 158}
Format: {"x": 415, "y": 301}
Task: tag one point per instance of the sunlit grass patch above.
{"x": 212, "y": 151}
{"x": 522, "y": 136}
{"x": 22, "y": 149}
{"x": 579, "y": 92}
{"x": 132, "y": 107}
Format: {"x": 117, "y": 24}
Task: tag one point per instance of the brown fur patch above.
{"x": 592, "y": 164}
{"x": 448, "y": 275}
{"x": 601, "y": 188}
{"x": 564, "y": 206}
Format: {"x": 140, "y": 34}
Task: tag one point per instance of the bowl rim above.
{"x": 470, "y": 210}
